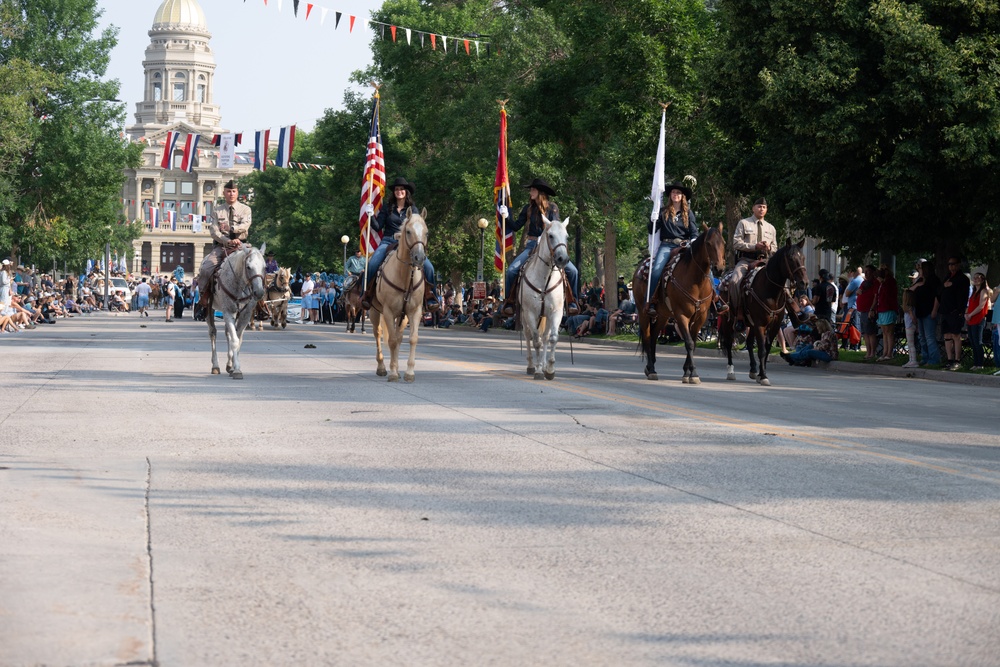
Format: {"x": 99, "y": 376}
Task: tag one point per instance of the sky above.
{"x": 272, "y": 69}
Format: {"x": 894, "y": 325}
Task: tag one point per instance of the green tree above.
{"x": 65, "y": 195}
{"x": 874, "y": 124}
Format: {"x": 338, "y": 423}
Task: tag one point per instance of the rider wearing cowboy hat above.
{"x": 389, "y": 221}
{"x": 539, "y": 192}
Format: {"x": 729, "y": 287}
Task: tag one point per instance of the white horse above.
{"x": 399, "y": 296}
{"x": 239, "y": 285}
{"x": 541, "y": 297}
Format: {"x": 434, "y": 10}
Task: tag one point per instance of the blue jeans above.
{"x": 514, "y": 268}
{"x": 659, "y": 263}
{"x": 930, "y": 353}
{"x": 996, "y": 345}
{"x": 976, "y": 340}
{"x": 375, "y": 261}
{"x": 808, "y": 355}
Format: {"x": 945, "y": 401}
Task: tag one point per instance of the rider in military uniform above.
{"x": 228, "y": 225}
{"x": 531, "y": 215}
{"x": 754, "y": 239}
{"x": 389, "y": 221}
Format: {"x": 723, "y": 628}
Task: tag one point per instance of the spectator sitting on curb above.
{"x": 786, "y": 336}
{"x": 818, "y": 345}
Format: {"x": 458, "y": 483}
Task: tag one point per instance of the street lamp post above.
{"x": 345, "y": 239}
{"x": 107, "y": 276}
{"x": 483, "y": 224}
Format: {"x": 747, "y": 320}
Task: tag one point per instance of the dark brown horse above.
{"x": 764, "y": 307}
{"x": 688, "y": 291}
{"x": 350, "y": 299}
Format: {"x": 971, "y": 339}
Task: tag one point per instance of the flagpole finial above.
{"x": 376, "y": 86}
{"x": 666, "y": 105}
{"x": 503, "y": 103}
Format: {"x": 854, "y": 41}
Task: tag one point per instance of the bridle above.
{"x": 241, "y": 299}
{"x": 407, "y": 249}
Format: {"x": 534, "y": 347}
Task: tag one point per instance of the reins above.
{"x": 240, "y": 300}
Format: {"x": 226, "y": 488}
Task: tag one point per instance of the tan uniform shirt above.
{"x": 745, "y": 238}
{"x": 223, "y": 229}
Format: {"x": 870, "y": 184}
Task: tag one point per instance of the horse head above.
{"x": 715, "y": 243}
{"x": 283, "y": 279}
{"x": 413, "y": 237}
{"x": 254, "y": 266}
{"x": 555, "y": 237}
{"x": 793, "y": 263}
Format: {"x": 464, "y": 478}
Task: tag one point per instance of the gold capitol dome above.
{"x": 180, "y": 13}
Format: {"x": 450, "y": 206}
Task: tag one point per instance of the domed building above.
{"x": 179, "y": 72}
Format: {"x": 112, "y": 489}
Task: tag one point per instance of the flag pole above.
{"x": 371, "y": 179}
{"x": 503, "y": 224}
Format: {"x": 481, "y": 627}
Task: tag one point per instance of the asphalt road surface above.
{"x": 314, "y": 514}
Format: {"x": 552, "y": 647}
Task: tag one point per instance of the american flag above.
{"x": 373, "y": 184}
{"x": 501, "y": 197}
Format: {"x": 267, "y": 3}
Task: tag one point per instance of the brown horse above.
{"x": 350, "y": 300}
{"x": 155, "y": 295}
{"x": 764, "y": 304}
{"x": 688, "y": 291}
{"x": 279, "y": 291}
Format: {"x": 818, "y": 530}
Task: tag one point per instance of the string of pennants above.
{"x": 227, "y": 144}
{"x": 467, "y": 41}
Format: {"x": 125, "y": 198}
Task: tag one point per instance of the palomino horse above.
{"x": 279, "y": 291}
{"x": 155, "y": 295}
{"x": 399, "y": 296}
{"x": 350, "y": 300}
{"x": 541, "y": 297}
{"x": 687, "y": 294}
{"x": 764, "y": 303}
{"x": 239, "y": 285}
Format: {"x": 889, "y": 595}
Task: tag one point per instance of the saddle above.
{"x": 742, "y": 290}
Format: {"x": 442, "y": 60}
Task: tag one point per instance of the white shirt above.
{"x": 308, "y": 286}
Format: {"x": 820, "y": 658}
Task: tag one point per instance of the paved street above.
{"x": 314, "y": 514}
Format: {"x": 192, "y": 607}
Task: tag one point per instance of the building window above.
{"x": 207, "y": 207}
{"x": 157, "y": 92}
{"x": 187, "y": 188}
{"x": 201, "y": 92}
{"x": 187, "y": 208}
{"x": 169, "y": 187}
{"x": 178, "y": 92}
{"x": 169, "y": 205}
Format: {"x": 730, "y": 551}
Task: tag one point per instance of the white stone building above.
{"x": 179, "y": 71}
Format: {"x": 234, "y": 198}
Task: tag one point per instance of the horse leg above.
{"x": 550, "y": 340}
{"x": 211, "y": 335}
{"x": 690, "y": 374}
{"x": 411, "y": 362}
{"x": 233, "y": 356}
{"x": 765, "y": 348}
{"x": 377, "y": 329}
{"x": 394, "y": 330}
{"x": 647, "y": 333}
{"x": 529, "y": 343}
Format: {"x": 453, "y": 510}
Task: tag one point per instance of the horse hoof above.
{"x": 731, "y": 377}
{"x": 538, "y": 376}
{"x": 236, "y": 375}
{"x": 410, "y": 377}
{"x": 531, "y": 370}
{"x": 753, "y": 376}
{"x": 550, "y": 376}
{"x": 764, "y": 382}
{"x": 381, "y": 372}
{"x": 695, "y": 380}
{"x": 282, "y": 325}
{"x": 652, "y": 376}
{"x": 394, "y": 377}
{"x": 215, "y": 371}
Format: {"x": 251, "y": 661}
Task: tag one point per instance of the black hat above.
{"x": 230, "y": 185}
{"x": 401, "y": 182}
{"x": 679, "y": 186}
{"x": 270, "y": 254}
{"x": 823, "y": 273}
{"x": 760, "y": 202}
{"x": 540, "y": 185}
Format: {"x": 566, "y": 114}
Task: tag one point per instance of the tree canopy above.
{"x": 62, "y": 165}
{"x": 874, "y": 124}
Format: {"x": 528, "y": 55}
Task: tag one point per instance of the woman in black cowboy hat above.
{"x": 676, "y": 225}
{"x": 538, "y": 192}
{"x": 389, "y": 221}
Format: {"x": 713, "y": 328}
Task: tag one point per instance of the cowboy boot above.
{"x": 431, "y": 302}
{"x": 369, "y": 295}
{"x": 572, "y": 307}
{"x": 509, "y": 301}
{"x": 721, "y": 307}
{"x": 652, "y": 305}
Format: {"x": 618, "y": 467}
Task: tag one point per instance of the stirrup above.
{"x": 572, "y": 308}
{"x": 651, "y": 311}
{"x": 721, "y": 307}
{"x": 508, "y": 309}
{"x": 431, "y": 305}
{"x": 739, "y": 326}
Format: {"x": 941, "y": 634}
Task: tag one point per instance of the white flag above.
{"x": 656, "y": 195}
{"x": 227, "y": 150}
{"x": 196, "y": 224}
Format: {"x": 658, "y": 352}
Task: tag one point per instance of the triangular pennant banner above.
{"x": 337, "y": 22}
{"x": 351, "y": 29}
{"x": 309, "y": 8}
{"x": 466, "y": 42}
{"x": 433, "y": 41}
{"x": 393, "y": 30}
{"x": 295, "y": 7}
{"x": 322, "y": 15}
{"x": 408, "y": 36}
{"x": 444, "y": 43}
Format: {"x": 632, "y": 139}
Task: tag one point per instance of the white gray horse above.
{"x": 541, "y": 297}
{"x": 239, "y": 285}
{"x": 399, "y": 296}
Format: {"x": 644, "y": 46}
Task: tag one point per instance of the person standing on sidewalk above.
{"x": 142, "y": 291}
{"x": 975, "y": 318}
{"x": 952, "y": 305}
{"x": 925, "y": 305}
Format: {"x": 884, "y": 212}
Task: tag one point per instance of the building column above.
{"x": 154, "y": 258}
{"x": 138, "y": 198}
{"x": 199, "y": 254}
{"x": 136, "y": 262}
